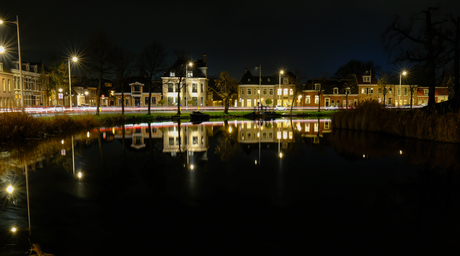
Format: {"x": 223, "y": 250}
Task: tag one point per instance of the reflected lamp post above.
{"x": 74, "y": 59}
{"x": 20, "y": 61}
{"x": 400, "y": 91}
{"x": 60, "y": 91}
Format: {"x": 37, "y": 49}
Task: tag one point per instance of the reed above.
{"x": 433, "y": 125}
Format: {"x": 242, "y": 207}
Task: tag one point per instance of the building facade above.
{"x": 254, "y": 89}
{"x": 325, "y": 93}
{"x": 32, "y": 88}
{"x": 187, "y": 82}
{"x": 6, "y": 89}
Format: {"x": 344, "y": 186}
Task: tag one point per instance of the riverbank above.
{"x": 18, "y": 126}
{"x": 416, "y": 123}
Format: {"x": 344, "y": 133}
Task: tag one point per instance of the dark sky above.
{"x": 315, "y": 37}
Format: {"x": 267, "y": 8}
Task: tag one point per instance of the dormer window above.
{"x": 336, "y": 90}
{"x": 366, "y": 78}
{"x": 172, "y": 74}
{"x": 268, "y": 79}
{"x": 190, "y": 74}
{"x": 35, "y": 69}
{"x": 426, "y": 91}
{"x": 348, "y": 91}
{"x": 317, "y": 87}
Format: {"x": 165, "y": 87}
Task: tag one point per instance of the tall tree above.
{"x": 454, "y": 40}
{"x": 296, "y": 80}
{"x": 226, "y": 86}
{"x": 122, "y": 61}
{"x": 421, "y": 41}
{"x": 357, "y": 67}
{"x": 98, "y": 56}
{"x": 58, "y": 74}
{"x": 152, "y": 63}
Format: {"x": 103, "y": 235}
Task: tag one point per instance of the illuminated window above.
{"x": 284, "y": 134}
{"x": 242, "y": 91}
{"x": 9, "y": 85}
{"x": 366, "y": 78}
{"x": 190, "y": 74}
{"x": 326, "y": 125}
{"x": 194, "y": 87}
{"x": 291, "y": 91}
{"x": 307, "y": 99}
{"x": 249, "y": 125}
{"x": 290, "y": 135}
{"x": 285, "y": 91}
{"x": 279, "y": 91}
{"x": 316, "y": 99}
{"x": 172, "y": 74}
{"x": 278, "y": 135}
{"x": 426, "y": 91}
{"x": 170, "y": 87}
{"x": 315, "y": 127}
{"x": 307, "y": 127}
{"x": 195, "y": 140}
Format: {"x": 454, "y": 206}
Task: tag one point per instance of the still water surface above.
{"x": 231, "y": 188}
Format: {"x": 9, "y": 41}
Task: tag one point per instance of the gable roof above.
{"x": 328, "y": 85}
{"x": 179, "y": 68}
{"x": 360, "y": 80}
{"x": 248, "y": 78}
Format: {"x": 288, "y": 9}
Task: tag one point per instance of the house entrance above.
{"x": 137, "y": 101}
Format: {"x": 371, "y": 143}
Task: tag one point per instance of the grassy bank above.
{"x": 416, "y": 123}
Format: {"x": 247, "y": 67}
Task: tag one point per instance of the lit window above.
{"x": 285, "y": 91}
{"x": 172, "y": 74}
{"x": 194, "y": 87}
{"x": 190, "y": 74}
{"x": 307, "y": 99}
{"x": 316, "y": 99}
{"x": 279, "y": 91}
{"x": 366, "y": 78}
{"x": 291, "y": 92}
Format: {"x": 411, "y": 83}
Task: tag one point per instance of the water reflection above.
{"x": 257, "y": 176}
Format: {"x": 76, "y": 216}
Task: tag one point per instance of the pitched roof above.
{"x": 359, "y": 78}
{"x": 180, "y": 66}
{"x": 328, "y": 85}
{"x": 248, "y": 78}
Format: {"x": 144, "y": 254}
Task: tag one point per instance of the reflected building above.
{"x": 187, "y": 138}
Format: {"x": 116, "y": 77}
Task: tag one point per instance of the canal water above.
{"x": 229, "y": 188}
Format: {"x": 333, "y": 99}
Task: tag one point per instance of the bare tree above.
{"x": 151, "y": 64}
{"x": 356, "y": 67}
{"x": 425, "y": 40}
{"x": 122, "y": 61}
{"x": 227, "y": 87}
{"x": 98, "y": 60}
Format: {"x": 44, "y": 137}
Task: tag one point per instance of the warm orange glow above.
{"x": 80, "y": 175}
{"x": 10, "y": 189}
{"x": 13, "y": 229}
{"x": 2, "y": 49}
{"x": 74, "y": 59}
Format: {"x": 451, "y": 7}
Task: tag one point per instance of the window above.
{"x": 154, "y": 100}
{"x": 285, "y": 91}
{"x": 336, "y": 91}
{"x": 380, "y": 90}
{"x": 170, "y": 87}
{"x": 406, "y": 91}
{"x": 249, "y": 91}
{"x": 189, "y": 74}
{"x": 317, "y": 87}
{"x": 202, "y": 87}
{"x": 363, "y": 91}
{"x": 9, "y": 85}
{"x": 390, "y": 101}
{"x": 127, "y": 102}
{"x": 285, "y": 80}
{"x": 194, "y": 87}
{"x": 195, "y": 140}
{"x": 390, "y": 91}
{"x": 264, "y": 91}
{"x": 172, "y": 74}
{"x": 4, "y": 86}
{"x": 248, "y": 103}
{"x": 291, "y": 91}
{"x": 171, "y": 141}
{"x": 332, "y": 103}
{"x": 271, "y": 92}
{"x": 316, "y": 99}
{"x": 279, "y": 91}
{"x": 348, "y": 91}
{"x": 176, "y": 87}
{"x": 201, "y": 101}
{"x": 307, "y": 99}
{"x": 426, "y": 91}
{"x": 242, "y": 91}
{"x": 399, "y": 91}
{"x": 146, "y": 101}
{"x": 366, "y": 78}
{"x": 371, "y": 90}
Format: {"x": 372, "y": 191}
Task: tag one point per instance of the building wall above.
{"x": 248, "y": 95}
{"x": 191, "y": 88}
{"x": 6, "y": 89}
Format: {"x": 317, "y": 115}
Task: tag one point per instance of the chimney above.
{"x": 205, "y": 60}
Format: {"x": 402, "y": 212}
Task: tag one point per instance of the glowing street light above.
{"x": 400, "y": 91}
{"x": 279, "y": 90}
{"x": 190, "y": 64}
{"x": 80, "y": 175}
{"x": 13, "y": 230}
{"x": 20, "y": 61}
{"x": 10, "y": 189}
{"x": 74, "y": 59}
{"x": 2, "y": 49}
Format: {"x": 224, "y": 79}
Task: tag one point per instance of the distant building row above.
{"x": 187, "y": 83}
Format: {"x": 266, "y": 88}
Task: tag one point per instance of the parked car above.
{"x": 280, "y": 108}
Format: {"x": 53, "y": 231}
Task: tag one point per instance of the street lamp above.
{"x": 260, "y": 80}
{"x": 74, "y": 59}
{"x": 279, "y": 90}
{"x": 400, "y": 91}
{"x": 10, "y": 189}
{"x": 20, "y": 61}
{"x": 186, "y": 86}
{"x": 60, "y": 91}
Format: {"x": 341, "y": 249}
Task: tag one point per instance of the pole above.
{"x": 73, "y": 158}
{"x": 260, "y": 83}
{"x": 399, "y": 93}
{"x": 20, "y": 66}
{"x": 70, "y": 86}
{"x": 27, "y": 192}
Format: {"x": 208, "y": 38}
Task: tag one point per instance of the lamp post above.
{"x": 186, "y": 88}
{"x": 60, "y": 92}
{"x": 20, "y": 62}
{"x": 260, "y": 82}
{"x": 86, "y": 94}
{"x": 279, "y": 89}
{"x": 74, "y": 59}
{"x": 400, "y": 91}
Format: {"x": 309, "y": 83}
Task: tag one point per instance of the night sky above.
{"x": 315, "y": 37}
